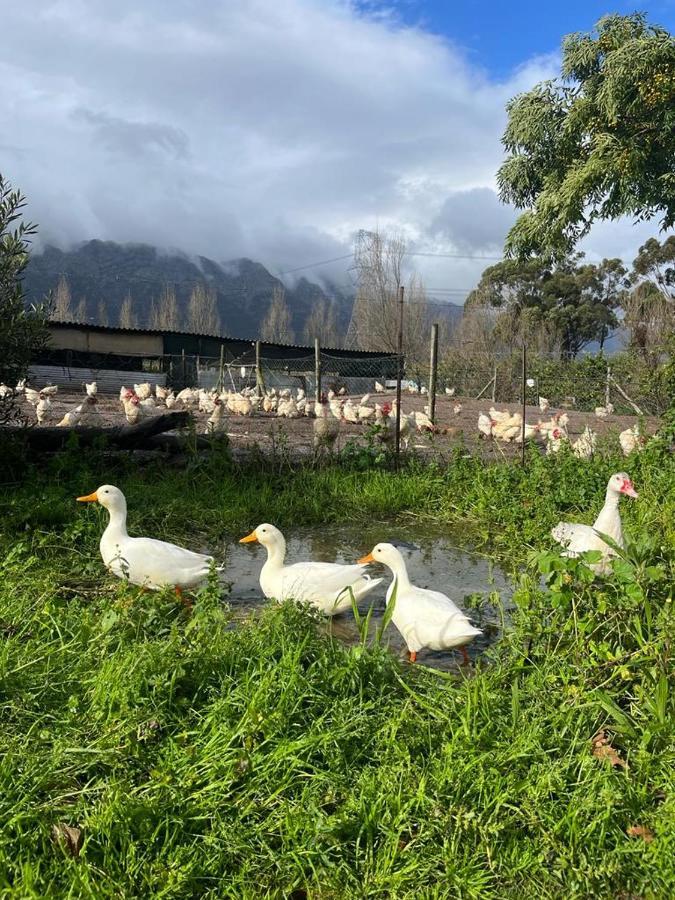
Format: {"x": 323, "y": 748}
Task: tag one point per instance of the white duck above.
{"x": 578, "y": 539}
{"x": 319, "y": 584}
{"x": 145, "y": 561}
{"x": 425, "y": 618}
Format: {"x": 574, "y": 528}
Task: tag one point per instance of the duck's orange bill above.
{"x": 367, "y": 559}
{"x": 249, "y": 538}
{"x": 90, "y": 498}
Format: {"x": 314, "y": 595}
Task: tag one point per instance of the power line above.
{"x": 325, "y": 262}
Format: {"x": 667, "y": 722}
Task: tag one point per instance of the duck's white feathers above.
{"x": 429, "y": 619}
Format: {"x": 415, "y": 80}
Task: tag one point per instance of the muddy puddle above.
{"x": 436, "y": 559}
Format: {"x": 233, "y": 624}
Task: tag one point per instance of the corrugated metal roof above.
{"x": 85, "y": 326}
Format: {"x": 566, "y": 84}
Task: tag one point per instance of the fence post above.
{"x": 259, "y": 383}
{"x": 221, "y": 372}
{"x": 609, "y": 375}
{"x": 524, "y": 388}
{"x": 317, "y": 369}
{"x": 182, "y": 369}
{"x": 433, "y": 372}
{"x": 494, "y": 384}
{"x": 399, "y": 376}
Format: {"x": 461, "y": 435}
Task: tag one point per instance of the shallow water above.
{"x": 436, "y": 559}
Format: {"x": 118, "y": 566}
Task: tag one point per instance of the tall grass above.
{"x": 267, "y": 759}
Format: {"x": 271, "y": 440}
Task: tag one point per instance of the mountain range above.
{"x": 100, "y": 274}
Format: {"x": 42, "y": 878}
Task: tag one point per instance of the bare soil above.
{"x": 269, "y": 433}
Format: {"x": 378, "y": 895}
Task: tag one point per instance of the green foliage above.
{"x": 200, "y": 757}
{"x": 22, "y": 330}
{"x": 570, "y": 304}
{"x": 597, "y": 144}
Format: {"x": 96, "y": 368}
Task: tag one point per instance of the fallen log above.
{"x": 123, "y": 437}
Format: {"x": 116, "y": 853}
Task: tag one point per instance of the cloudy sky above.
{"x": 276, "y": 129}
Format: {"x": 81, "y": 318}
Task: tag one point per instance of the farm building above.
{"x": 114, "y": 356}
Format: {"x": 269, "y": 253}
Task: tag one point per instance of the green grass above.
{"x": 200, "y": 759}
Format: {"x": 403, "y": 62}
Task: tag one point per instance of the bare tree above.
{"x": 102, "y": 313}
{"x": 61, "y": 308}
{"x": 649, "y": 317}
{"x": 202, "y": 317}
{"x": 375, "y": 314}
{"x": 276, "y": 326}
{"x": 127, "y": 315}
{"x": 321, "y": 323}
{"x": 164, "y": 313}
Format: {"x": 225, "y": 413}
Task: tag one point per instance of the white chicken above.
{"x": 485, "y": 424}
{"x": 457, "y": 408}
{"x": 555, "y": 439}
{"x": 133, "y": 410}
{"x": 326, "y": 427}
{"x": 32, "y": 396}
{"x": 216, "y": 422}
{"x": 584, "y": 447}
{"x": 544, "y": 404}
{"x": 450, "y": 391}
{"x": 143, "y": 391}
{"x": 43, "y": 410}
{"x": 603, "y": 411}
{"x": 631, "y": 440}
{"x": 379, "y": 388}
{"x": 91, "y": 389}
{"x": 350, "y": 412}
{"x": 71, "y": 418}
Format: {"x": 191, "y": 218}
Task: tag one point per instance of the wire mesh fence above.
{"x": 600, "y": 393}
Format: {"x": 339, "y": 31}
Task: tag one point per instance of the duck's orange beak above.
{"x": 90, "y": 498}
{"x": 249, "y": 538}
{"x": 367, "y": 559}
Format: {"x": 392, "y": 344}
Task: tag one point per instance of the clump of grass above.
{"x": 203, "y": 759}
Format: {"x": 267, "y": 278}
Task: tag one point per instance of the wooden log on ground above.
{"x": 123, "y": 437}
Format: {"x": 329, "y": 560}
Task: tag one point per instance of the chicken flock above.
{"x": 334, "y": 408}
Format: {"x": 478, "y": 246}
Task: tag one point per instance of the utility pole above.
{"x": 399, "y": 376}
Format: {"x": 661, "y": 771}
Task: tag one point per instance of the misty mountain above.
{"x": 101, "y": 274}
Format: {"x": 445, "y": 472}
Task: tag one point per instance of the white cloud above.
{"x": 270, "y": 128}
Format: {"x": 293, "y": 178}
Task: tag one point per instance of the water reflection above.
{"x": 435, "y": 558}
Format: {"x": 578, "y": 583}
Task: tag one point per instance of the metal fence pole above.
{"x": 494, "y": 384}
{"x": 433, "y": 372}
{"x": 259, "y": 383}
{"x": 524, "y": 388}
{"x": 221, "y": 373}
{"x": 399, "y": 376}
{"x": 317, "y": 369}
{"x": 182, "y": 369}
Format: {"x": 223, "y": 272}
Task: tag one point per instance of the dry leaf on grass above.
{"x": 68, "y": 837}
{"x": 641, "y": 831}
{"x": 602, "y": 749}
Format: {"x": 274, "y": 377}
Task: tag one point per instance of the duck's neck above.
{"x": 117, "y": 526}
{"x": 609, "y": 520}
{"x": 400, "y": 572}
{"x": 276, "y": 554}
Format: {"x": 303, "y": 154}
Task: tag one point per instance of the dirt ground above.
{"x": 268, "y": 432}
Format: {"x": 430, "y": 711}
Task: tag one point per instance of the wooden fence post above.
{"x": 433, "y": 372}
{"x": 317, "y": 369}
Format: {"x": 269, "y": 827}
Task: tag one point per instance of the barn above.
{"x": 113, "y": 356}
